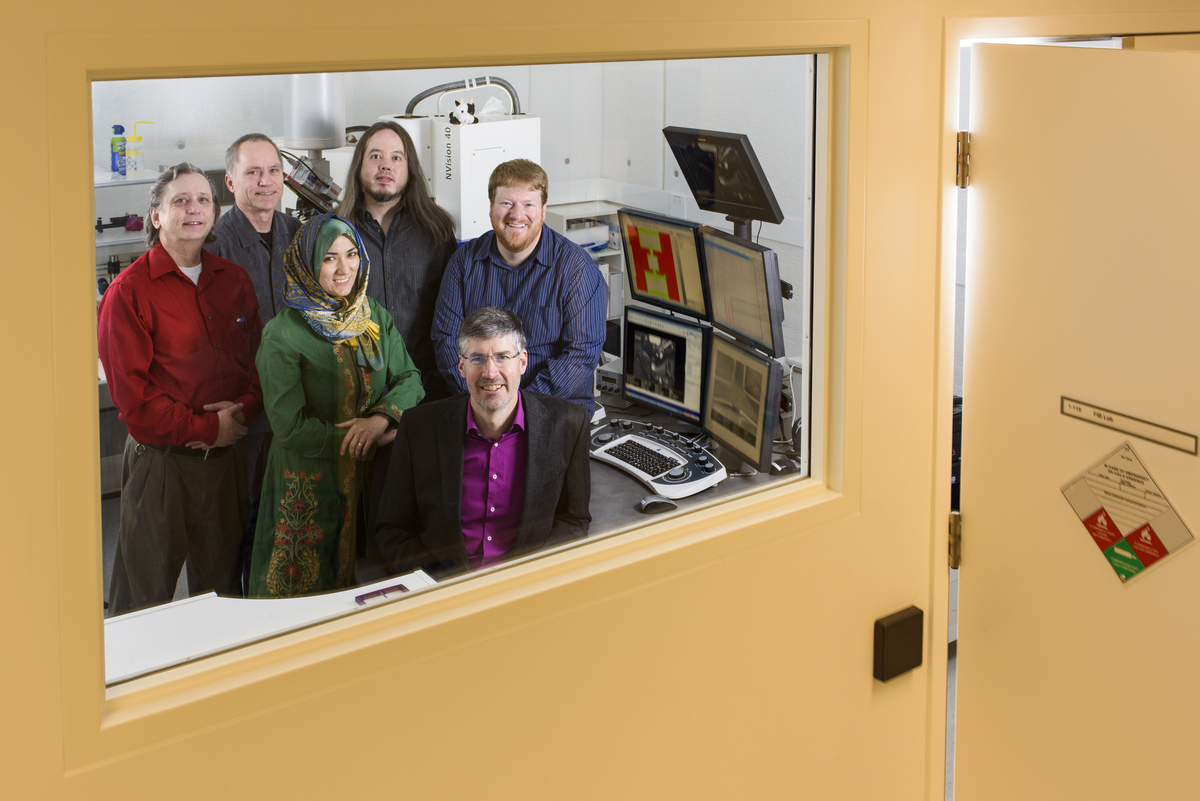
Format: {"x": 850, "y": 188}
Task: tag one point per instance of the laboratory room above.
{"x": 364, "y": 336}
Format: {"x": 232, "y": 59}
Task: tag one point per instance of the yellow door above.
{"x": 1083, "y": 283}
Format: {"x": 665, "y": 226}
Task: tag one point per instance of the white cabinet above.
{"x": 592, "y": 223}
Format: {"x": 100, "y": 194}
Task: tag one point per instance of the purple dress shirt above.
{"x": 493, "y": 489}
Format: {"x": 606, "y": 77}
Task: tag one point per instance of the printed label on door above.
{"x": 1117, "y": 495}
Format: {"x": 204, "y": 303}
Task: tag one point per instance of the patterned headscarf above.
{"x": 345, "y": 319}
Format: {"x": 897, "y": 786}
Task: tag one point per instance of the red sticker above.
{"x": 1146, "y": 544}
{"x": 1102, "y": 528}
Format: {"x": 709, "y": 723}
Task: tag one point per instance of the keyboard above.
{"x": 661, "y": 459}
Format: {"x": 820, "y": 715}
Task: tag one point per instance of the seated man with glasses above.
{"x": 476, "y": 479}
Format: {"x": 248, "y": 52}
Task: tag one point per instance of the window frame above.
{"x": 102, "y": 723}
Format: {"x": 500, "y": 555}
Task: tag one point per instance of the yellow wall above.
{"x": 728, "y": 655}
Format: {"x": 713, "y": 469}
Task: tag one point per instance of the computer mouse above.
{"x": 653, "y": 504}
{"x": 782, "y": 466}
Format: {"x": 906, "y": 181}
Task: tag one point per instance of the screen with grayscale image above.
{"x": 742, "y": 402}
{"x": 664, "y": 363}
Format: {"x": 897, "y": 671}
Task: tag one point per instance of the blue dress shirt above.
{"x": 557, "y": 292}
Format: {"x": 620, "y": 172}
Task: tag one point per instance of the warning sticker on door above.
{"x": 1127, "y": 515}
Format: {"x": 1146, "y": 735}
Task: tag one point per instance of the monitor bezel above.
{"x": 677, "y": 136}
{"x": 705, "y": 349}
{"x": 628, "y": 253}
{"x": 762, "y": 459}
{"x": 774, "y": 294}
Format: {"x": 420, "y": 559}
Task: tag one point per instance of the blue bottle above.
{"x": 118, "y": 149}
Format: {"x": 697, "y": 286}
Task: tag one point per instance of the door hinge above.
{"x": 955, "y": 539}
{"x": 962, "y": 172}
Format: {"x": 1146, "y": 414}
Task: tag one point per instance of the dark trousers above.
{"x": 371, "y": 563}
{"x": 176, "y": 507}
{"x": 257, "y": 444}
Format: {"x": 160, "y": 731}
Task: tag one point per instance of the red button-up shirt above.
{"x": 169, "y": 346}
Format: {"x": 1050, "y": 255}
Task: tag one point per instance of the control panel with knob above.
{"x": 667, "y": 463}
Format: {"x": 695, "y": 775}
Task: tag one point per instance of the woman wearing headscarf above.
{"x": 325, "y": 363}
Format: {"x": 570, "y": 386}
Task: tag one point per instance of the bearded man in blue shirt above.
{"x": 549, "y": 282}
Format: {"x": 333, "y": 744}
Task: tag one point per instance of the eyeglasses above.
{"x": 498, "y": 359}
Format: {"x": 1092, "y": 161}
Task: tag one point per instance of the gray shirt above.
{"x": 238, "y": 242}
{"x": 406, "y": 273}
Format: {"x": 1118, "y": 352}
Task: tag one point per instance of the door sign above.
{"x": 1127, "y": 515}
{"x": 1179, "y": 440}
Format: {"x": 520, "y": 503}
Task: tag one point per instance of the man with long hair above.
{"x": 408, "y": 238}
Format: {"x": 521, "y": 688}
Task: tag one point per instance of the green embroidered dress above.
{"x": 305, "y": 538}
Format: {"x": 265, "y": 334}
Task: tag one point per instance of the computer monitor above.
{"x": 664, "y": 261}
{"x": 724, "y": 174}
{"x": 745, "y": 300}
{"x": 664, "y": 362}
{"x": 741, "y": 405}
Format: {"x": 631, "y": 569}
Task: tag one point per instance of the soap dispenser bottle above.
{"x": 135, "y": 159}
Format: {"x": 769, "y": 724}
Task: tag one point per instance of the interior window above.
{"x": 689, "y": 187}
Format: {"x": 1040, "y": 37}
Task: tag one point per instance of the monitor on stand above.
{"x": 664, "y": 262}
{"x": 741, "y": 405}
{"x": 745, "y": 299}
{"x": 664, "y": 363}
{"x": 725, "y": 176}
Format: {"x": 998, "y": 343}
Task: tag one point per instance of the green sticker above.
{"x": 1123, "y": 560}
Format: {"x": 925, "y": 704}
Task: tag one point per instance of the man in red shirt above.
{"x": 179, "y": 329}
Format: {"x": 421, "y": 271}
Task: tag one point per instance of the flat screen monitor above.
{"x": 664, "y": 362}
{"x": 664, "y": 261}
{"x": 741, "y": 405}
{"x": 745, "y": 300}
{"x": 724, "y": 174}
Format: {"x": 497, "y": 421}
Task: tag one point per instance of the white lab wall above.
{"x": 568, "y": 99}
{"x": 634, "y": 98}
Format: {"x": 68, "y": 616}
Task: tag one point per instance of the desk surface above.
{"x": 615, "y": 494}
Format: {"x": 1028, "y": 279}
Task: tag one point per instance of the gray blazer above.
{"x": 419, "y": 523}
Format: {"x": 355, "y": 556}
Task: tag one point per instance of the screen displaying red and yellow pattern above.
{"x": 664, "y": 262}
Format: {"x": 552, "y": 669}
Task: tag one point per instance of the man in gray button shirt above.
{"x": 254, "y": 235}
{"x": 408, "y": 238}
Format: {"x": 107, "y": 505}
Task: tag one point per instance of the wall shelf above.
{"x": 119, "y": 237}
{"x": 106, "y": 179}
